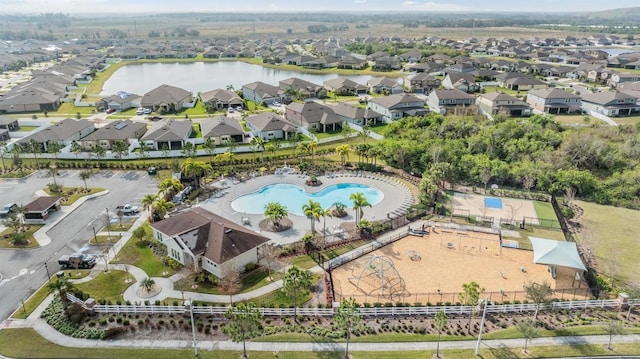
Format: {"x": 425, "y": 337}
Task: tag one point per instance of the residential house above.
{"x": 396, "y": 106}
{"x": 123, "y": 130}
{"x": 222, "y": 129}
{"x": 618, "y": 78}
{"x": 30, "y": 100}
{"x": 345, "y": 87}
{"x": 261, "y": 93}
{"x": 62, "y": 133}
{"x": 356, "y": 115}
{"x": 462, "y": 81}
{"x": 521, "y": 82}
{"x": 295, "y": 87}
{"x": 167, "y": 99}
{"x": 447, "y": 100}
{"x": 220, "y": 98}
{"x": 203, "y": 240}
{"x": 554, "y": 101}
{"x": 611, "y": 103}
{"x": 7, "y": 124}
{"x": 498, "y": 102}
{"x": 269, "y": 126}
{"x": 421, "y": 82}
{"x": 168, "y": 135}
{"x": 352, "y": 63}
{"x": 38, "y": 210}
{"x": 313, "y": 116}
{"x": 387, "y": 63}
{"x": 384, "y": 85}
{"x": 411, "y": 56}
{"x": 120, "y": 101}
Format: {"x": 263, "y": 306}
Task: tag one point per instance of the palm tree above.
{"x": 147, "y": 203}
{"x": 196, "y": 169}
{"x": 312, "y": 210}
{"x": 275, "y": 212}
{"x": 258, "y": 143}
{"x": 62, "y": 285}
{"x": 325, "y": 213}
{"x": 359, "y": 201}
{"x": 311, "y": 147}
{"x": 170, "y": 186}
{"x": 84, "y": 176}
{"x": 343, "y": 151}
{"x": 147, "y": 284}
{"x": 161, "y": 207}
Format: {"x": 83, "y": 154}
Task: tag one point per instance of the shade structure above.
{"x": 558, "y": 253}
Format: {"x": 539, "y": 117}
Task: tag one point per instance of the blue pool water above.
{"x": 294, "y": 197}
{"x": 491, "y": 202}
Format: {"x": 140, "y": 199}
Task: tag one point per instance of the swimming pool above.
{"x": 294, "y": 197}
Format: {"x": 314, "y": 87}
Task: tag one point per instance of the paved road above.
{"x": 23, "y": 271}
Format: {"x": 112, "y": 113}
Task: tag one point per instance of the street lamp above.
{"x": 484, "y": 315}
{"x": 47, "y": 269}
{"x": 95, "y": 237}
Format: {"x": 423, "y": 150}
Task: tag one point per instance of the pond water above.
{"x": 203, "y": 76}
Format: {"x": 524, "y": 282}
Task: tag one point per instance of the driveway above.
{"x": 23, "y": 271}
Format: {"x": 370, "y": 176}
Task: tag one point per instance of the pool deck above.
{"x": 396, "y": 198}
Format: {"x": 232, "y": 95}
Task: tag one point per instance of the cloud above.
{"x": 360, "y": 1}
{"x": 433, "y": 6}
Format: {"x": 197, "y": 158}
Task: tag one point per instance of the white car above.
{"x": 140, "y": 111}
{"x": 147, "y": 111}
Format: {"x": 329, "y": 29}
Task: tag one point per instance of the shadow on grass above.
{"x": 577, "y": 343}
{"x": 325, "y": 348}
{"x": 502, "y": 352}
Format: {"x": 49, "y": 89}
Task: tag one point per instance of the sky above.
{"x": 161, "y": 6}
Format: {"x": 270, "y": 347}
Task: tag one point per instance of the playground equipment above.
{"x": 377, "y": 275}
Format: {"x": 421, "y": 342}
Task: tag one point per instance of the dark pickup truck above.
{"x": 78, "y": 260}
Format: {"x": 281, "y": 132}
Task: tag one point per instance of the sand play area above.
{"x": 477, "y": 205}
{"x": 432, "y": 269}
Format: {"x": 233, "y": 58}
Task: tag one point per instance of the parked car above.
{"x": 7, "y": 209}
{"x": 140, "y": 111}
{"x": 78, "y": 260}
{"x": 128, "y": 209}
{"x": 147, "y": 111}
{"x": 110, "y": 110}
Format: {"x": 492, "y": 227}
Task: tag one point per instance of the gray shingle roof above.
{"x": 269, "y": 121}
{"x": 220, "y": 126}
{"x": 169, "y": 130}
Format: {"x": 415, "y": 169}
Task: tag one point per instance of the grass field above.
{"x": 614, "y": 233}
{"x": 27, "y": 343}
{"x": 108, "y": 286}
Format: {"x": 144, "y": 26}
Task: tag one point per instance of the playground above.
{"x": 432, "y": 268}
{"x": 481, "y": 206}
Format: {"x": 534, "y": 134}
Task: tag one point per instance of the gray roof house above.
{"x": 345, "y": 87}
{"x": 356, "y": 115}
{"x": 30, "y": 100}
{"x": 260, "y": 92}
{"x": 447, "y": 100}
{"x": 611, "y": 103}
{"x": 554, "y": 101}
{"x": 167, "y": 98}
{"x": 269, "y": 126}
{"x": 421, "y": 82}
{"x": 305, "y": 88}
{"x": 522, "y": 83}
{"x": 63, "y": 133}
{"x": 221, "y": 129}
{"x": 394, "y": 107}
{"x": 7, "y": 124}
{"x": 220, "y": 98}
{"x": 313, "y": 115}
{"x": 496, "y": 102}
{"x": 384, "y": 85}
{"x": 169, "y": 134}
{"x": 463, "y": 81}
{"x": 199, "y": 238}
{"x": 120, "y": 101}
{"x": 123, "y": 130}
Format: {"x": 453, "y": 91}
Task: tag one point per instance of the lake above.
{"x": 203, "y": 76}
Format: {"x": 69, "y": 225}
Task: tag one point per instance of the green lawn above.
{"x": 546, "y": 214}
{"x": 614, "y": 233}
{"x": 627, "y": 120}
{"x": 140, "y": 255}
{"x": 489, "y": 89}
{"x": 27, "y": 343}
{"x": 27, "y": 128}
{"x": 117, "y": 227}
{"x": 72, "y": 195}
{"x": 252, "y": 280}
{"x": 31, "y": 304}
{"x": 5, "y": 237}
{"x": 108, "y": 286}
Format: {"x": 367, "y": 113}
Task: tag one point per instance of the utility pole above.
{"x": 484, "y": 315}
{"x": 193, "y": 328}
{"x": 47, "y": 269}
